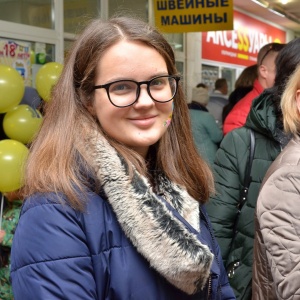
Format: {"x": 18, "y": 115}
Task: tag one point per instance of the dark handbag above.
{"x": 242, "y": 200}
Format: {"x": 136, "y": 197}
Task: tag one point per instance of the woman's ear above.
{"x": 298, "y": 99}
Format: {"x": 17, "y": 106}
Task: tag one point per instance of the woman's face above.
{"x": 142, "y": 124}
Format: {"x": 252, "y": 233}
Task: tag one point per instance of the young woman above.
{"x": 277, "y": 245}
{"x": 114, "y": 185}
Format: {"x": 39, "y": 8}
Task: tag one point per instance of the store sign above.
{"x": 241, "y": 45}
{"x": 16, "y": 54}
{"x": 176, "y": 16}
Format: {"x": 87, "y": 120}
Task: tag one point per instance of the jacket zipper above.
{"x": 209, "y": 288}
{"x": 214, "y": 247}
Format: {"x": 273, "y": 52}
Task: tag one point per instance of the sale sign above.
{"x": 16, "y": 54}
{"x": 240, "y": 46}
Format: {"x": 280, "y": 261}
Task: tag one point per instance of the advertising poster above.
{"x": 17, "y": 54}
{"x": 240, "y": 46}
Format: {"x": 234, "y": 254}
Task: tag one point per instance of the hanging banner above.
{"x": 240, "y": 46}
{"x": 16, "y": 54}
{"x": 177, "y": 16}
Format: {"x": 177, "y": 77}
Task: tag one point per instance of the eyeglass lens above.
{"x": 126, "y": 92}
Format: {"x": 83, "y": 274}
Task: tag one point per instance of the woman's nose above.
{"x": 144, "y": 98}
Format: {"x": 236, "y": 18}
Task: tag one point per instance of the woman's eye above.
{"x": 158, "y": 83}
{"x": 121, "y": 87}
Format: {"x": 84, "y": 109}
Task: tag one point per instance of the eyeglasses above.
{"x": 276, "y": 47}
{"x": 123, "y": 93}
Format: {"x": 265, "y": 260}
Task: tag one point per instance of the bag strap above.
{"x": 247, "y": 179}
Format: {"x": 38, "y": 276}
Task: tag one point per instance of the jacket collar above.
{"x": 262, "y": 118}
{"x": 157, "y": 234}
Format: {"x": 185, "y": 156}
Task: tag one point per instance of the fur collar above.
{"x": 161, "y": 238}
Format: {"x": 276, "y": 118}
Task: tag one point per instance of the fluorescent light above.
{"x": 261, "y": 3}
{"x": 276, "y": 12}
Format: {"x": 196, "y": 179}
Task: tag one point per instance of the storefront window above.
{"x": 230, "y": 75}
{"x": 29, "y": 12}
{"x": 175, "y": 40}
{"x": 140, "y": 9}
{"x": 67, "y": 46}
{"x": 78, "y": 12}
{"x": 209, "y": 76}
{"x": 131, "y": 7}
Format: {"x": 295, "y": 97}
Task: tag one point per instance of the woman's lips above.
{"x": 143, "y": 122}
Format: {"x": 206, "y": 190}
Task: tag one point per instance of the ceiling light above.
{"x": 284, "y": 2}
{"x": 276, "y": 11}
{"x": 261, "y": 3}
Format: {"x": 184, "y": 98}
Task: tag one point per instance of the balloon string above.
{"x": 1, "y": 211}
{"x": 37, "y": 114}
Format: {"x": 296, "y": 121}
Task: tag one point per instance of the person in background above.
{"x": 265, "y": 121}
{"x": 277, "y": 246}
{"x": 10, "y": 217}
{"x": 265, "y": 79}
{"x": 207, "y": 135}
{"x": 218, "y": 99}
{"x": 243, "y": 85}
{"x": 114, "y": 185}
{"x": 200, "y": 97}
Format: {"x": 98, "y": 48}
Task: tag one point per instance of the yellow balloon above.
{"x": 46, "y": 78}
{"x": 12, "y": 88}
{"x": 13, "y": 155}
{"x": 22, "y": 123}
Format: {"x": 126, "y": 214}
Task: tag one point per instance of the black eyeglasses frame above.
{"x": 139, "y": 83}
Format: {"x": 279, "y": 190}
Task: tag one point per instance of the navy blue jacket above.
{"x": 87, "y": 256}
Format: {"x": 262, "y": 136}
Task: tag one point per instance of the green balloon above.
{"x": 22, "y": 123}
{"x": 13, "y": 155}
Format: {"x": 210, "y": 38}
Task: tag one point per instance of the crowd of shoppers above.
{"x": 265, "y": 121}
